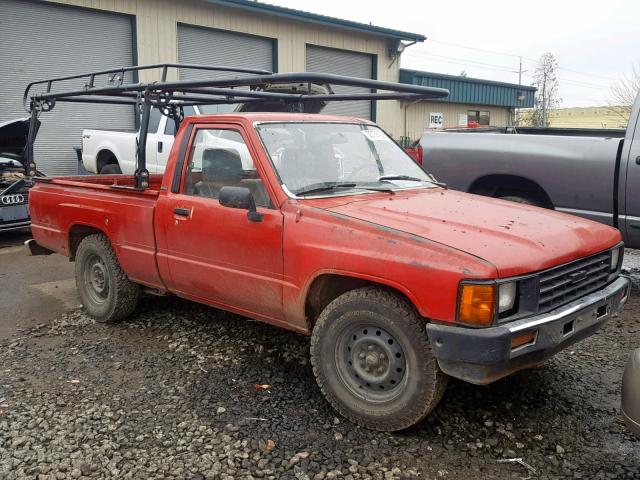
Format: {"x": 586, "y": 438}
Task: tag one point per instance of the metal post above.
{"x": 29, "y": 160}
{"x": 142, "y": 174}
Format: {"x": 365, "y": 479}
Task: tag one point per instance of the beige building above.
{"x": 42, "y": 39}
{"x": 589, "y": 117}
{"x": 472, "y": 103}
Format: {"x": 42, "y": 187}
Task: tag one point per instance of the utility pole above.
{"x": 519, "y": 93}
{"x": 520, "y": 73}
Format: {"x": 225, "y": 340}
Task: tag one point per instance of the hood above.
{"x": 515, "y": 238}
{"x": 13, "y": 139}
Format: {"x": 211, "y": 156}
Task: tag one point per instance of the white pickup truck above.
{"x": 114, "y": 151}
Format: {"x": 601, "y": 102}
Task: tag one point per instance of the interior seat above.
{"x": 221, "y": 167}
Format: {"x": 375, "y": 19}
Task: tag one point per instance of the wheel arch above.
{"x": 105, "y": 157}
{"x": 77, "y": 233}
{"x": 326, "y": 286}
{"x": 496, "y": 185}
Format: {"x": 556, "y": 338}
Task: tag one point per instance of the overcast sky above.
{"x": 595, "y": 42}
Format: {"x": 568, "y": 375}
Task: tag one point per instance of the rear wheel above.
{"x": 373, "y": 362}
{"x": 110, "y": 169}
{"x": 105, "y": 291}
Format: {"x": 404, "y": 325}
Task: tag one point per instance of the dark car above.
{"x": 631, "y": 393}
{"x": 14, "y": 187}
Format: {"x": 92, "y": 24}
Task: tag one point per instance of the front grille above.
{"x": 568, "y": 282}
{"x": 11, "y": 198}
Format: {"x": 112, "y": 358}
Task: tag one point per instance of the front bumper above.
{"x": 14, "y": 217}
{"x": 631, "y": 393}
{"x": 485, "y": 355}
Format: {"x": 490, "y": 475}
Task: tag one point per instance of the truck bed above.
{"x": 577, "y": 173}
{"x": 105, "y": 182}
{"x": 65, "y": 207}
{"x": 561, "y": 132}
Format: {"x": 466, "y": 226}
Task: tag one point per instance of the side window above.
{"x": 170, "y": 127}
{"x": 220, "y": 158}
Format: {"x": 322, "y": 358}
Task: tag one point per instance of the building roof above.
{"x": 300, "y": 15}
{"x": 473, "y": 90}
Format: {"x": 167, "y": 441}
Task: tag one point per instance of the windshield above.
{"x": 329, "y": 158}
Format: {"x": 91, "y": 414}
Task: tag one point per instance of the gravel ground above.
{"x": 184, "y": 391}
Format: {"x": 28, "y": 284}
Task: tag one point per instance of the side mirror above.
{"x": 240, "y": 197}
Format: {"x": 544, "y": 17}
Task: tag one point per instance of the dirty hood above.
{"x": 13, "y": 139}
{"x": 515, "y": 238}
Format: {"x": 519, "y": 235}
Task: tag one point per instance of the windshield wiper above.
{"x": 327, "y": 187}
{"x": 399, "y": 177}
{"x": 334, "y": 186}
{"x": 407, "y": 177}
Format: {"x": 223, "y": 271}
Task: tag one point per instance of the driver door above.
{"x": 215, "y": 254}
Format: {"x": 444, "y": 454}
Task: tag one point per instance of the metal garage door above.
{"x": 206, "y": 46}
{"x": 40, "y": 40}
{"x": 342, "y": 62}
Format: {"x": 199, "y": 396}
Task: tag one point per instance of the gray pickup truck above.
{"x": 590, "y": 173}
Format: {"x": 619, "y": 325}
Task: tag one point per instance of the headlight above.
{"x": 615, "y": 258}
{"x": 506, "y": 296}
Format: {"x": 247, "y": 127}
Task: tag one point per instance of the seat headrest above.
{"x": 221, "y": 164}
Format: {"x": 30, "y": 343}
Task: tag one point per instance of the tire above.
{"x": 110, "y": 169}
{"x": 411, "y": 383}
{"x": 518, "y": 199}
{"x": 105, "y": 291}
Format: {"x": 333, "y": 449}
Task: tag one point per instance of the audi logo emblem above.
{"x": 12, "y": 199}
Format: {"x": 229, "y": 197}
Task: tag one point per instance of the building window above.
{"x": 478, "y": 118}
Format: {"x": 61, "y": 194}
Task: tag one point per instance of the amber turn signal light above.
{"x": 477, "y": 304}
{"x": 524, "y": 339}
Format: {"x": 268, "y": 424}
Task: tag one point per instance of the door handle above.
{"x": 183, "y": 212}
{"x": 159, "y": 147}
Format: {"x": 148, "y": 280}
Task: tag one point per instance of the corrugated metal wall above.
{"x": 40, "y": 40}
{"x": 341, "y": 62}
{"x": 417, "y": 116}
{"x": 472, "y": 90}
{"x": 207, "y": 46}
{"x": 157, "y": 22}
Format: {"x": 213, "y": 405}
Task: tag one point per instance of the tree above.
{"x": 546, "y": 82}
{"x": 623, "y": 93}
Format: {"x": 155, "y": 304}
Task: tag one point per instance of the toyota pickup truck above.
{"x": 589, "y": 173}
{"x": 330, "y": 229}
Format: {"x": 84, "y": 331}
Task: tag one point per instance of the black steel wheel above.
{"x": 95, "y": 279}
{"x": 373, "y": 362}
{"x": 105, "y": 291}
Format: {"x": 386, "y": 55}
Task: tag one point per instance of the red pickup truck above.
{"x": 323, "y": 225}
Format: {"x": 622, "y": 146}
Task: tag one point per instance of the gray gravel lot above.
{"x": 172, "y": 393}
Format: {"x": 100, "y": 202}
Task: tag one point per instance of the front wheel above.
{"x": 105, "y": 291}
{"x": 373, "y": 362}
